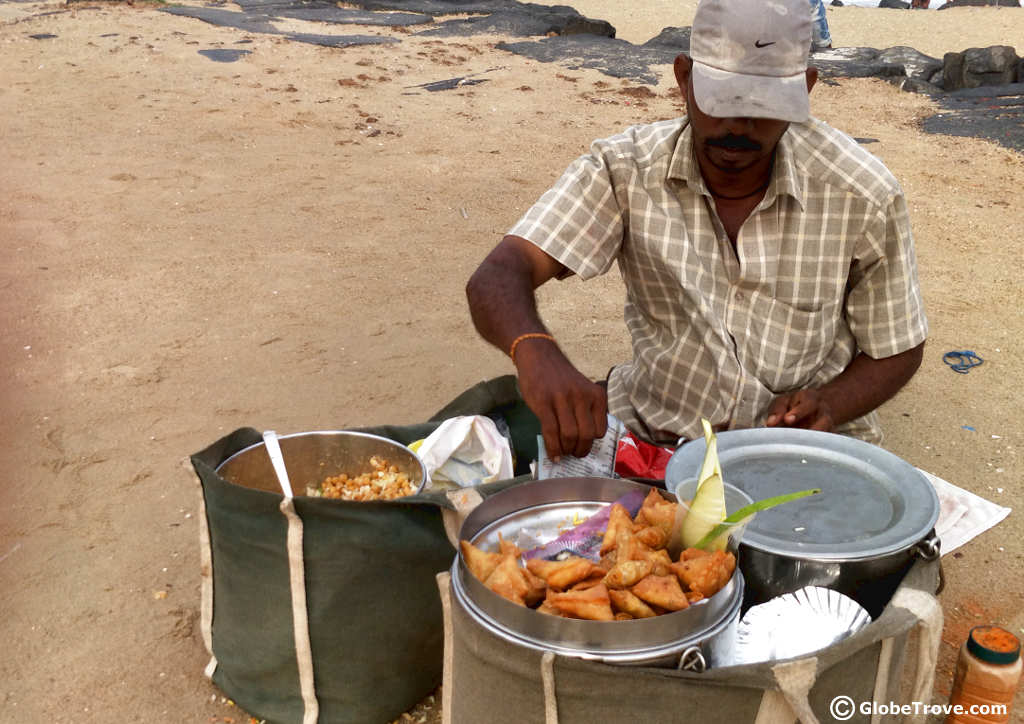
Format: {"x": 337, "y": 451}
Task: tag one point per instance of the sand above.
{"x": 282, "y": 242}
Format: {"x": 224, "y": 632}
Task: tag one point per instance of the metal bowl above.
{"x": 310, "y": 457}
{"x": 665, "y": 640}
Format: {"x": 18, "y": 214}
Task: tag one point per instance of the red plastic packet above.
{"x": 635, "y": 458}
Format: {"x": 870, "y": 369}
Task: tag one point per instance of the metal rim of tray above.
{"x": 872, "y": 504}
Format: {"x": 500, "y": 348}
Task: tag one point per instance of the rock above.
{"x": 677, "y": 39}
{"x": 1020, "y": 72}
{"x": 980, "y": 3}
{"x": 917, "y": 85}
{"x": 894, "y": 4}
{"x": 974, "y": 67}
{"x": 836, "y": 3}
{"x": 915, "y": 63}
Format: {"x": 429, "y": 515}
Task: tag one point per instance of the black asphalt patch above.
{"x": 258, "y": 22}
{"x": 324, "y": 12}
{"x": 993, "y": 112}
{"x": 223, "y": 55}
{"x": 611, "y": 56}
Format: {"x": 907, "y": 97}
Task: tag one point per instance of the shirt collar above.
{"x": 785, "y": 178}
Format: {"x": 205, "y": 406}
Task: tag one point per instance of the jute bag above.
{"x": 488, "y": 679}
{"x": 327, "y": 611}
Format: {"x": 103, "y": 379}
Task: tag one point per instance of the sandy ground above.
{"x": 282, "y": 242}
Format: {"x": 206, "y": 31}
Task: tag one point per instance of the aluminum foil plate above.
{"x": 796, "y": 624}
{"x": 872, "y": 503}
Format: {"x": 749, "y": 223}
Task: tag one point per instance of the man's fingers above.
{"x": 568, "y": 430}
{"x": 549, "y": 430}
{"x": 777, "y": 410}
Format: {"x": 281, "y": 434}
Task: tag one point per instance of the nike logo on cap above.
{"x": 759, "y": 44}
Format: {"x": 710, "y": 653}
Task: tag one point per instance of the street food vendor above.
{"x": 768, "y": 260}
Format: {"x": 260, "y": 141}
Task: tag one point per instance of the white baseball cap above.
{"x": 750, "y": 57}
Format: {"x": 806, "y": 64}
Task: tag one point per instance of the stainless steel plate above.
{"x": 547, "y": 507}
{"x": 872, "y": 503}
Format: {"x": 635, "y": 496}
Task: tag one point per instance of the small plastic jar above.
{"x": 987, "y": 675}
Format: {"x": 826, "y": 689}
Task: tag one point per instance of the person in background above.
{"x": 768, "y": 260}
{"x": 821, "y": 39}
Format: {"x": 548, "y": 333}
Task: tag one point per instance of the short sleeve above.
{"x": 579, "y": 221}
{"x": 884, "y": 308}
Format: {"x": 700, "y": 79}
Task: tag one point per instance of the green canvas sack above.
{"x": 317, "y": 610}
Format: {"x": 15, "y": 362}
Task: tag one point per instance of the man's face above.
{"x": 731, "y": 145}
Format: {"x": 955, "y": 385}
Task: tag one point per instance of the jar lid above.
{"x": 993, "y": 644}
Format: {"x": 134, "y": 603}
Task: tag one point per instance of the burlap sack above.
{"x": 488, "y": 679}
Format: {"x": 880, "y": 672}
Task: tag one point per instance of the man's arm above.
{"x": 572, "y": 409}
{"x": 863, "y": 386}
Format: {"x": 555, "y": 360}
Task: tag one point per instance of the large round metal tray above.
{"x": 554, "y": 504}
{"x": 872, "y": 503}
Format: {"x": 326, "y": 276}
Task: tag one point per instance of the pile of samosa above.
{"x": 635, "y": 577}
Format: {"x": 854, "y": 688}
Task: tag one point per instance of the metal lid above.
{"x": 551, "y": 506}
{"x": 872, "y": 503}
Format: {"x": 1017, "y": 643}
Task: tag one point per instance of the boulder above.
{"x": 917, "y": 85}
{"x": 836, "y": 3}
{"x": 915, "y": 63}
{"x": 894, "y": 4}
{"x": 974, "y": 67}
{"x": 677, "y": 39}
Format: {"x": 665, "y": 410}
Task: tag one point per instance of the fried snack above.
{"x": 596, "y": 576}
{"x": 627, "y": 573}
{"x": 505, "y": 547}
{"x": 561, "y": 574}
{"x": 508, "y": 580}
{"x": 705, "y": 574}
{"x": 658, "y": 512}
{"x": 626, "y": 602}
{"x": 480, "y": 563}
{"x": 537, "y": 591}
{"x": 661, "y": 591}
{"x": 385, "y": 482}
{"x": 592, "y": 604}
{"x": 634, "y": 579}
{"x": 652, "y": 536}
{"x": 618, "y": 521}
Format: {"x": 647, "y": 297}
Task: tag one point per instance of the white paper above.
{"x": 600, "y": 462}
{"x": 962, "y": 514}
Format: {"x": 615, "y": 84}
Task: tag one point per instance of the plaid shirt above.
{"x": 823, "y": 267}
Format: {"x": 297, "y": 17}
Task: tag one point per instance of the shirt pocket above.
{"x": 783, "y": 345}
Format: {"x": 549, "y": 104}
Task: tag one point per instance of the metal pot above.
{"x": 313, "y": 456}
{"x": 876, "y": 513}
{"x": 689, "y": 639}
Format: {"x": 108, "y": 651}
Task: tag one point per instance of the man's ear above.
{"x": 812, "y": 76}
{"x": 682, "y": 70}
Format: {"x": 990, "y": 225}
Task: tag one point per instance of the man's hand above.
{"x": 864, "y": 385}
{"x": 573, "y": 411}
{"x": 807, "y": 409}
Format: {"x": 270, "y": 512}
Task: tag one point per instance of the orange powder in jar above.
{"x": 987, "y": 674}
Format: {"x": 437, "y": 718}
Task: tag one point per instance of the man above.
{"x": 769, "y": 267}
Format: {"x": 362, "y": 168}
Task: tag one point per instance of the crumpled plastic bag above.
{"x": 465, "y": 451}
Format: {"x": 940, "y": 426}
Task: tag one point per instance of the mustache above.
{"x": 733, "y": 142}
